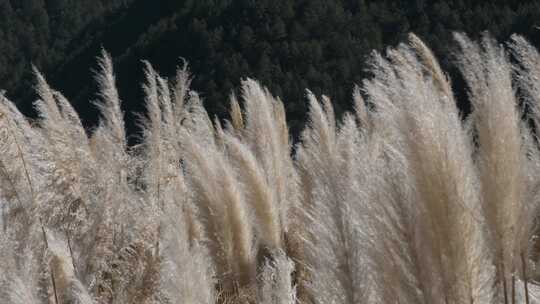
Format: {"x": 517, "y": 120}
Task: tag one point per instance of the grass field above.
{"x": 403, "y": 200}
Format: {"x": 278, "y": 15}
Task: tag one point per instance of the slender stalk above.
{"x": 525, "y": 279}
{"x": 71, "y": 252}
{"x": 19, "y": 150}
{"x": 54, "y": 287}
{"x": 505, "y": 291}
{"x": 52, "y": 272}
{"x": 513, "y": 289}
{"x": 20, "y": 154}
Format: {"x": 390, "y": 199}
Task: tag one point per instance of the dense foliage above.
{"x": 44, "y": 32}
{"x": 288, "y": 45}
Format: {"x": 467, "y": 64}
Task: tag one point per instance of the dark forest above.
{"x": 287, "y": 45}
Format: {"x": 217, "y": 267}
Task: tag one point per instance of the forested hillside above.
{"x": 43, "y": 32}
{"x": 289, "y": 45}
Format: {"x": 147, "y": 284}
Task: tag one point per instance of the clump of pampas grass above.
{"x": 400, "y": 201}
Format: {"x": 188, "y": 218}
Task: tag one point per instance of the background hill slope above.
{"x": 288, "y": 45}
